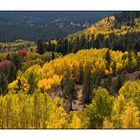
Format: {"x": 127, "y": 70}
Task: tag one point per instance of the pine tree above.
{"x": 113, "y": 66}
{"x": 8, "y": 57}
{"x": 83, "y": 42}
{"x": 69, "y": 92}
{"x": 97, "y": 43}
{"x": 3, "y": 84}
{"x": 86, "y": 99}
{"x": 66, "y": 46}
{"x": 130, "y": 59}
{"x": 11, "y": 73}
{"x": 53, "y": 55}
{"x": 40, "y": 47}
{"x": 120, "y": 81}
{"x": 108, "y": 59}
{"x": 16, "y": 60}
{"x": 78, "y": 46}
{"x": 107, "y": 43}
{"x": 92, "y": 41}
{"x": 88, "y": 42}
{"x": 32, "y": 82}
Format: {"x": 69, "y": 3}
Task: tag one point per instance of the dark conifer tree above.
{"x": 53, "y": 56}
{"x": 16, "y": 59}
{"x": 107, "y": 43}
{"x": 32, "y": 82}
{"x": 69, "y": 93}
{"x": 3, "y": 84}
{"x": 65, "y": 46}
{"x": 40, "y": 47}
{"x": 92, "y": 41}
{"x": 8, "y": 57}
{"x": 120, "y": 81}
{"x": 86, "y": 99}
{"x": 88, "y": 42}
{"x": 108, "y": 59}
{"x": 11, "y": 73}
{"x": 83, "y": 42}
{"x": 97, "y": 43}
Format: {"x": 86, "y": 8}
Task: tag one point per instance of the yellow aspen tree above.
{"x": 75, "y": 121}
{"x": 107, "y": 123}
{"x": 130, "y": 118}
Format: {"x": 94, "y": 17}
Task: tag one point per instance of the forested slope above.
{"x": 88, "y": 80}
{"x": 106, "y": 103}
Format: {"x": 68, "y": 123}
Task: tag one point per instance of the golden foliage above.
{"x": 50, "y": 82}
{"x": 130, "y": 118}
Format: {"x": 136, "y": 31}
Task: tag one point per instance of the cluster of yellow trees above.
{"x": 27, "y": 104}
{"x": 123, "y": 111}
{"x": 106, "y": 27}
{"x": 40, "y": 111}
{"x": 52, "y": 72}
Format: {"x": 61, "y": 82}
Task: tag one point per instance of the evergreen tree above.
{"x": 80, "y": 78}
{"x": 3, "y": 84}
{"x": 97, "y": 43}
{"x": 11, "y": 73}
{"x": 130, "y": 59}
{"x": 32, "y": 82}
{"x": 8, "y": 57}
{"x": 107, "y": 43}
{"x": 40, "y": 47}
{"x": 100, "y": 37}
{"x": 78, "y": 46}
{"x": 92, "y": 41}
{"x": 66, "y": 46}
{"x": 87, "y": 87}
{"x": 69, "y": 93}
{"x": 48, "y": 46}
{"x": 113, "y": 66}
{"x": 60, "y": 47}
{"x": 83, "y": 42}
{"x": 120, "y": 81}
{"x": 19, "y": 85}
{"x": 108, "y": 59}
{"x": 88, "y": 42}
{"x": 53, "y": 55}
{"x": 16, "y": 60}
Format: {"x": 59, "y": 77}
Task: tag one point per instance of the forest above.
{"x": 88, "y": 79}
{"x": 32, "y": 25}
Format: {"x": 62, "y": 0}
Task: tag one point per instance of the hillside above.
{"x": 44, "y": 96}
{"x": 89, "y": 80}
{"x": 37, "y": 25}
{"x": 119, "y": 24}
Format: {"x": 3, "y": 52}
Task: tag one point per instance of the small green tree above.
{"x": 103, "y": 103}
{"x": 32, "y": 82}
{"x": 99, "y": 109}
